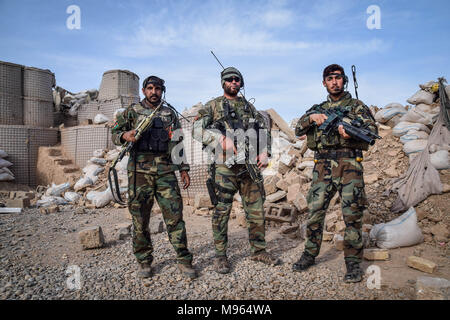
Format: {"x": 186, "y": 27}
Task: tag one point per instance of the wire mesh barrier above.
{"x": 38, "y": 83}
{"x": 11, "y": 76}
{"x": 11, "y": 109}
{"x": 105, "y": 107}
{"x": 117, "y": 83}
{"x": 80, "y": 142}
{"x": 37, "y": 112}
{"x": 22, "y": 143}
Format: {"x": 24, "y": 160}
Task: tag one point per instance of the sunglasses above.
{"x": 230, "y": 79}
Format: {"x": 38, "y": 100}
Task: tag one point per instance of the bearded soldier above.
{"x": 151, "y": 174}
{"x": 231, "y": 113}
{"x": 337, "y": 167}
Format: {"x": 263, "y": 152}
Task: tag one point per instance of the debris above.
{"x": 421, "y": 264}
{"x": 276, "y": 196}
{"x": 91, "y": 238}
{"x": 429, "y": 288}
{"x": 376, "y": 254}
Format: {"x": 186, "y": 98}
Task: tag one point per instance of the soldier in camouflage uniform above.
{"x": 229, "y": 180}
{"x": 151, "y": 174}
{"x": 337, "y": 167}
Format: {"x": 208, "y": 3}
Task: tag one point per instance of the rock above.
{"x": 421, "y": 214}
{"x": 91, "y": 238}
{"x": 327, "y": 236}
{"x": 80, "y": 211}
{"x": 338, "y": 242}
{"x": 366, "y": 227}
{"x": 274, "y": 197}
{"x": 370, "y": 178}
{"x": 293, "y": 192}
{"x": 202, "y": 211}
{"x": 376, "y": 254}
{"x": 282, "y": 184}
{"x": 308, "y": 174}
{"x": 124, "y": 230}
{"x": 300, "y": 203}
{"x": 392, "y": 172}
{"x": 334, "y": 200}
{"x": 293, "y": 177}
{"x": 421, "y": 264}
{"x": 49, "y": 209}
{"x": 330, "y": 220}
{"x": 202, "y": 201}
{"x": 429, "y": 288}
{"x": 340, "y": 226}
{"x": 306, "y": 164}
{"x": 270, "y": 184}
{"x": 295, "y": 152}
{"x": 156, "y": 224}
{"x": 440, "y": 232}
{"x": 240, "y": 218}
{"x": 285, "y": 229}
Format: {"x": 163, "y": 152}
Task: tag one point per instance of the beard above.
{"x": 334, "y": 91}
{"x": 152, "y": 100}
{"x": 230, "y": 91}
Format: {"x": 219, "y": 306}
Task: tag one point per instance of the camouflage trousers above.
{"x": 167, "y": 193}
{"x": 229, "y": 182}
{"x": 344, "y": 175}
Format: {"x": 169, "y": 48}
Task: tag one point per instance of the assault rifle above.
{"x": 354, "y": 128}
{"x": 142, "y": 126}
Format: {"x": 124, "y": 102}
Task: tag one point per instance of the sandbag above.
{"x": 3, "y": 154}
{"x": 6, "y": 177}
{"x": 98, "y": 161}
{"x": 413, "y": 135}
{"x": 415, "y": 146}
{"x": 440, "y": 160}
{"x": 47, "y": 201}
{"x": 400, "y": 232}
{"x": 120, "y": 110}
{"x": 384, "y": 115}
{"x": 403, "y": 127}
{"x": 92, "y": 170}
{"x": 5, "y": 163}
{"x": 100, "y": 199}
{"x": 424, "y": 107}
{"x": 394, "y": 105}
{"x": 99, "y": 153}
{"x": 57, "y": 190}
{"x": 6, "y": 170}
{"x": 100, "y": 118}
{"x": 72, "y": 196}
{"x": 421, "y": 96}
{"x": 83, "y": 183}
{"x": 417, "y": 116}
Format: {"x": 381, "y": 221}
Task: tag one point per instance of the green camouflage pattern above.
{"x": 142, "y": 190}
{"x": 345, "y": 176}
{"x": 213, "y": 112}
{"x": 227, "y": 178}
{"x": 317, "y": 141}
{"x": 128, "y": 120}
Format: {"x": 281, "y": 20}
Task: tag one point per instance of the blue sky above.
{"x": 281, "y": 47}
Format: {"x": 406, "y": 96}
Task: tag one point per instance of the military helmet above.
{"x": 229, "y": 72}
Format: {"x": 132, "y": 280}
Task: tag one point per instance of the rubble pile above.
{"x": 5, "y": 173}
{"x": 69, "y": 103}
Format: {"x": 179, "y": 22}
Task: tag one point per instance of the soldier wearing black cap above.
{"x": 151, "y": 174}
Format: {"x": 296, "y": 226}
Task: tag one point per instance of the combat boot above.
{"x": 265, "y": 257}
{"x": 145, "y": 270}
{"x": 354, "y": 272}
{"x": 221, "y": 264}
{"x": 305, "y": 261}
{"x": 187, "y": 270}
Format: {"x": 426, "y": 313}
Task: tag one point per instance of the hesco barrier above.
{"x": 37, "y": 112}
{"x": 196, "y": 159}
{"x": 22, "y": 144}
{"x": 38, "y": 83}
{"x": 105, "y": 107}
{"x": 80, "y": 142}
{"x": 11, "y": 79}
{"x": 116, "y": 83}
{"x": 11, "y": 109}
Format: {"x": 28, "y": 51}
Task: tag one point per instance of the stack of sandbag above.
{"x": 415, "y": 125}
{"x": 5, "y": 172}
{"x": 390, "y": 115}
{"x": 65, "y": 100}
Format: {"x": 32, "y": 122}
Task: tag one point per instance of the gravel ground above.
{"x": 36, "y": 250}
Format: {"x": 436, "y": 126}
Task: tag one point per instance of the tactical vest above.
{"x": 154, "y": 140}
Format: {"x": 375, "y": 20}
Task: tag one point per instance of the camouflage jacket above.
{"x": 213, "y": 113}
{"x": 147, "y": 162}
{"x": 316, "y": 140}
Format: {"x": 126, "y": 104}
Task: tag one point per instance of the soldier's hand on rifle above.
{"x": 342, "y": 132}
{"x": 227, "y": 144}
{"x": 129, "y": 136}
{"x": 262, "y": 160}
{"x": 185, "y": 179}
{"x": 318, "y": 118}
